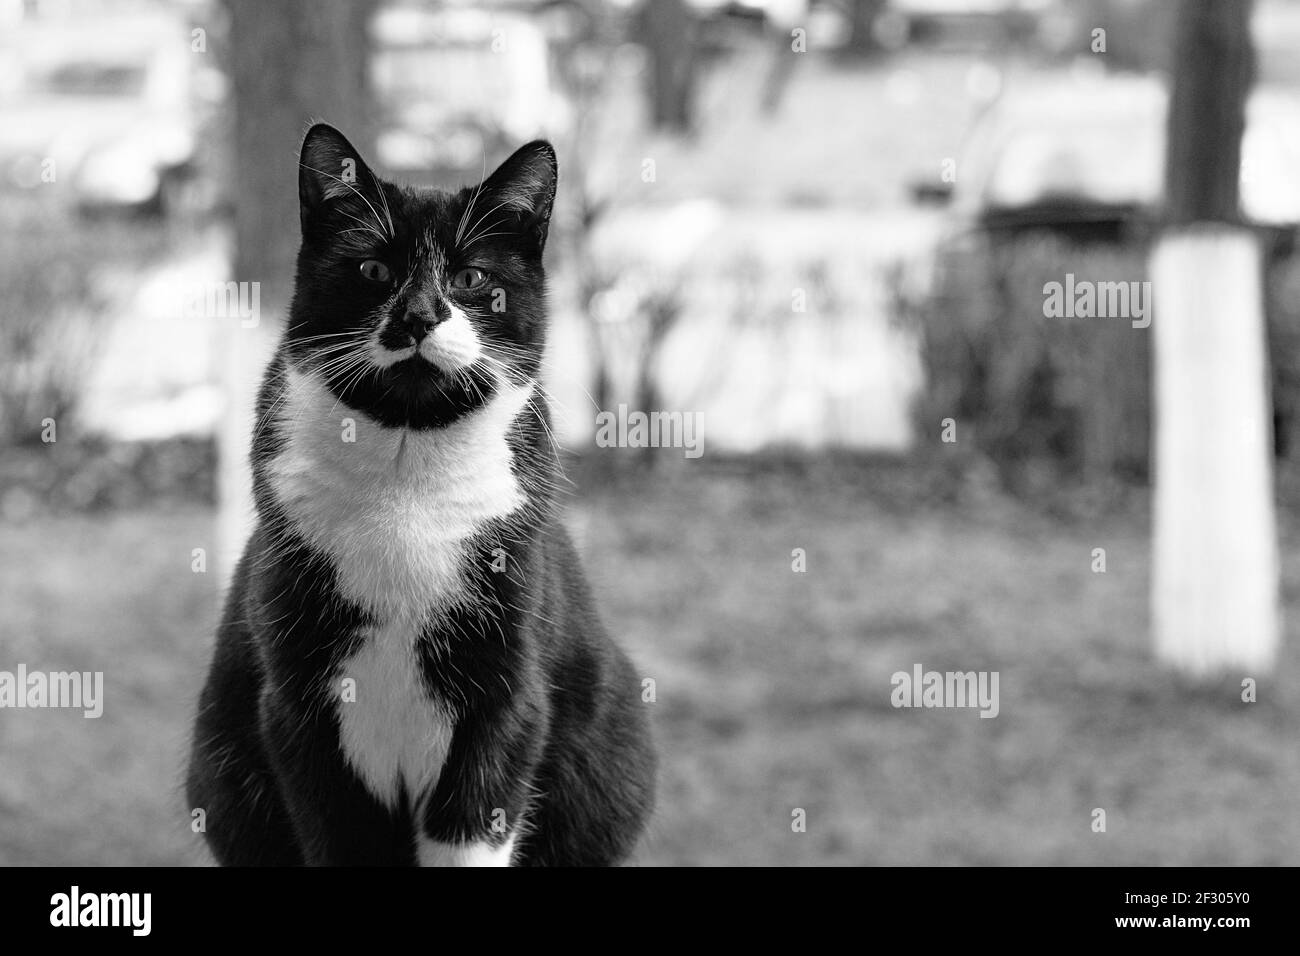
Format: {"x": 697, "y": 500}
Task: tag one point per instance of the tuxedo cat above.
{"x": 409, "y": 669}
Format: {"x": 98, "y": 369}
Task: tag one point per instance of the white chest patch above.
{"x": 392, "y": 509}
{"x": 393, "y": 732}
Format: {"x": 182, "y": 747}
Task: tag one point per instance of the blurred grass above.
{"x": 773, "y": 687}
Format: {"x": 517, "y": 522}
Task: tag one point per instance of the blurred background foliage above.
{"x": 777, "y": 175}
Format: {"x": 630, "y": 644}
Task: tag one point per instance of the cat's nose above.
{"x": 420, "y": 320}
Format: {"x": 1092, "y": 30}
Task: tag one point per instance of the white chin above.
{"x": 443, "y": 357}
{"x": 387, "y": 358}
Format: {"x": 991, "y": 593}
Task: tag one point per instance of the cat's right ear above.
{"x": 329, "y": 167}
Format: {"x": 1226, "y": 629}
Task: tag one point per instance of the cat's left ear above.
{"x": 330, "y": 168}
{"x": 523, "y": 188}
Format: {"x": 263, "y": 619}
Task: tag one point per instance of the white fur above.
{"x": 432, "y": 853}
{"x": 383, "y": 357}
{"x": 394, "y": 732}
{"x": 452, "y": 344}
{"x": 393, "y": 509}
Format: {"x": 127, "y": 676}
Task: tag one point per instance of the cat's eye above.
{"x": 469, "y": 279}
{"x": 375, "y": 271}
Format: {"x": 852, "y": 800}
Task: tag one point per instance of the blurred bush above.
{"x": 60, "y": 277}
{"x": 59, "y": 273}
{"x": 1056, "y": 399}
{"x": 1041, "y": 397}
{"x": 90, "y": 474}
{"x": 46, "y": 331}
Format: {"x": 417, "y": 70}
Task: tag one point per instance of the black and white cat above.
{"x": 409, "y": 669}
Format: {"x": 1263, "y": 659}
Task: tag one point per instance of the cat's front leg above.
{"x": 336, "y": 819}
{"x": 477, "y": 814}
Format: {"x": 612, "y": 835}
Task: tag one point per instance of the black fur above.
{"x": 549, "y": 721}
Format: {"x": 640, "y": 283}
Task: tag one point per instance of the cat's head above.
{"x": 416, "y": 306}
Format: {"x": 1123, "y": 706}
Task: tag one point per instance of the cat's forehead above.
{"x": 428, "y": 220}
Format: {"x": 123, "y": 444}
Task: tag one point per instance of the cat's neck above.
{"x": 393, "y": 508}
{"x": 318, "y": 428}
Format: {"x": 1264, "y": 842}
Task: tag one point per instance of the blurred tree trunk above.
{"x": 862, "y": 20}
{"x": 783, "y": 18}
{"x": 666, "y": 29}
{"x": 1213, "y": 72}
{"x": 291, "y": 62}
{"x": 1215, "y": 581}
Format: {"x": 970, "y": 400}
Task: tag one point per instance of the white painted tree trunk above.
{"x": 1215, "y": 581}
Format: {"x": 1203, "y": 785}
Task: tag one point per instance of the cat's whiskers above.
{"x": 339, "y": 355}
{"x": 388, "y": 213}
{"x": 350, "y": 376}
{"x": 460, "y": 226}
{"x": 365, "y": 226}
{"x": 573, "y": 380}
{"x": 357, "y": 377}
{"x": 490, "y": 235}
{"x": 477, "y": 223}
{"x": 352, "y": 186}
{"x": 328, "y": 351}
{"x": 506, "y": 352}
{"x": 340, "y": 365}
{"x": 505, "y": 372}
{"x": 293, "y": 350}
{"x": 326, "y": 335}
{"x": 506, "y": 369}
